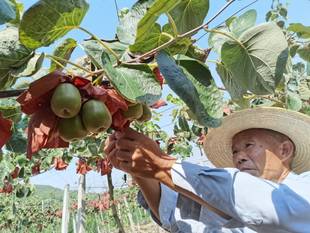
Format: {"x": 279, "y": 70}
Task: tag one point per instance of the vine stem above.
{"x": 189, "y": 33}
{"x": 52, "y": 57}
{"x": 101, "y": 43}
{"x": 227, "y": 35}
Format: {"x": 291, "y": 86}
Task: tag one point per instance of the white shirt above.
{"x": 255, "y": 204}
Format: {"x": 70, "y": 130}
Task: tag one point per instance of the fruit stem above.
{"x": 55, "y": 58}
{"x": 102, "y": 43}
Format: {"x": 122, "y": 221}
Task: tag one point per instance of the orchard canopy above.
{"x": 69, "y": 106}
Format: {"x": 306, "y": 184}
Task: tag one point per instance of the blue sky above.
{"x": 101, "y": 19}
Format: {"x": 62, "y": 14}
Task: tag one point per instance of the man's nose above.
{"x": 241, "y": 157}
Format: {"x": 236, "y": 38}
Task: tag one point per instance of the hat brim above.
{"x": 295, "y": 125}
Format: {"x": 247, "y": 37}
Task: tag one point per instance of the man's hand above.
{"x": 138, "y": 155}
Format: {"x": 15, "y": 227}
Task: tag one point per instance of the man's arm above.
{"x": 151, "y": 191}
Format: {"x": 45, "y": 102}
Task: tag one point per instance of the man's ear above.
{"x": 287, "y": 149}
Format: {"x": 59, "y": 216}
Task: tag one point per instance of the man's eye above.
{"x": 248, "y": 144}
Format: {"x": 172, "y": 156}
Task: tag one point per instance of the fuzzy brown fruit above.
{"x": 134, "y": 112}
{"x": 66, "y": 101}
{"x": 146, "y": 115}
{"x": 71, "y": 129}
{"x": 96, "y": 116}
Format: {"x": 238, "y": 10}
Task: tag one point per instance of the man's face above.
{"x": 256, "y": 152}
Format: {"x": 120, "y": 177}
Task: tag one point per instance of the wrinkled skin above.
{"x": 262, "y": 154}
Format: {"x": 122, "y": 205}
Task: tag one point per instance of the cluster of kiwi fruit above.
{"x": 78, "y": 119}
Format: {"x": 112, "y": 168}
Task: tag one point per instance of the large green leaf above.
{"x": 301, "y": 30}
{"x": 157, "y": 37}
{"x": 216, "y": 40}
{"x": 153, "y": 39}
{"x": 257, "y": 60}
{"x": 243, "y": 22}
{"x": 304, "y": 52}
{"x": 146, "y": 25}
{"x": 64, "y": 50}
{"x": 210, "y": 96}
{"x": 127, "y": 28}
{"x": 185, "y": 89}
{"x": 6, "y": 80}
{"x": 189, "y": 14}
{"x": 49, "y": 20}
{"x": 30, "y": 67}
{"x": 133, "y": 84}
{"x": 236, "y": 92}
{"x": 199, "y": 70}
{"x": 94, "y": 50}
{"x": 12, "y": 53}
{"x": 7, "y": 11}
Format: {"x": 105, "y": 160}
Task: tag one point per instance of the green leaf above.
{"x": 133, "y": 84}
{"x": 293, "y": 50}
{"x": 301, "y": 30}
{"x": 127, "y": 28}
{"x": 189, "y": 14}
{"x": 6, "y": 167}
{"x": 30, "y": 67}
{"x": 5, "y": 79}
{"x": 17, "y": 143}
{"x": 48, "y": 20}
{"x": 64, "y": 50}
{"x": 293, "y": 101}
{"x": 153, "y": 39}
{"x": 243, "y": 22}
{"x": 7, "y": 11}
{"x": 157, "y": 37}
{"x": 210, "y": 96}
{"x": 184, "y": 88}
{"x": 12, "y": 53}
{"x": 18, "y": 8}
{"x": 308, "y": 68}
{"x": 199, "y": 70}
{"x": 216, "y": 40}
{"x": 257, "y": 60}
{"x": 94, "y": 50}
{"x": 147, "y": 26}
{"x": 304, "y": 89}
{"x": 230, "y": 20}
{"x": 304, "y": 52}
{"x": 236, "y": 92}
{"x": 10, "y": 109}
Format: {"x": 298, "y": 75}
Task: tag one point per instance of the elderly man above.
{"x": 261, "y": 183}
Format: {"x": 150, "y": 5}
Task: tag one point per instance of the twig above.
{"x": 228, "y": 18}
{"x": 101, "y": 43}
{"x": 11, "y": 93}
{"x": 189, "y": 33}
{"x": 69, "y": 62}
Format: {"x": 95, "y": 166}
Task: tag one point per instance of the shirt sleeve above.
{"x": 259, "y": 204}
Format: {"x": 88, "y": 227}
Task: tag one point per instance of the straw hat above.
{"x": 296, "y": 126}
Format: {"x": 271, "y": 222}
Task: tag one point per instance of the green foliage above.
{"x": 64, "y": 51}
{"x": 129, "y": 19}
{"x": 47, "y": 21}
{"x": 7, "y": 11}
{"x": 189, "y": 14}
{"x": 136, "y": 85}
{"x": 184, "y": 88}
{"x": 257, "y": 59}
